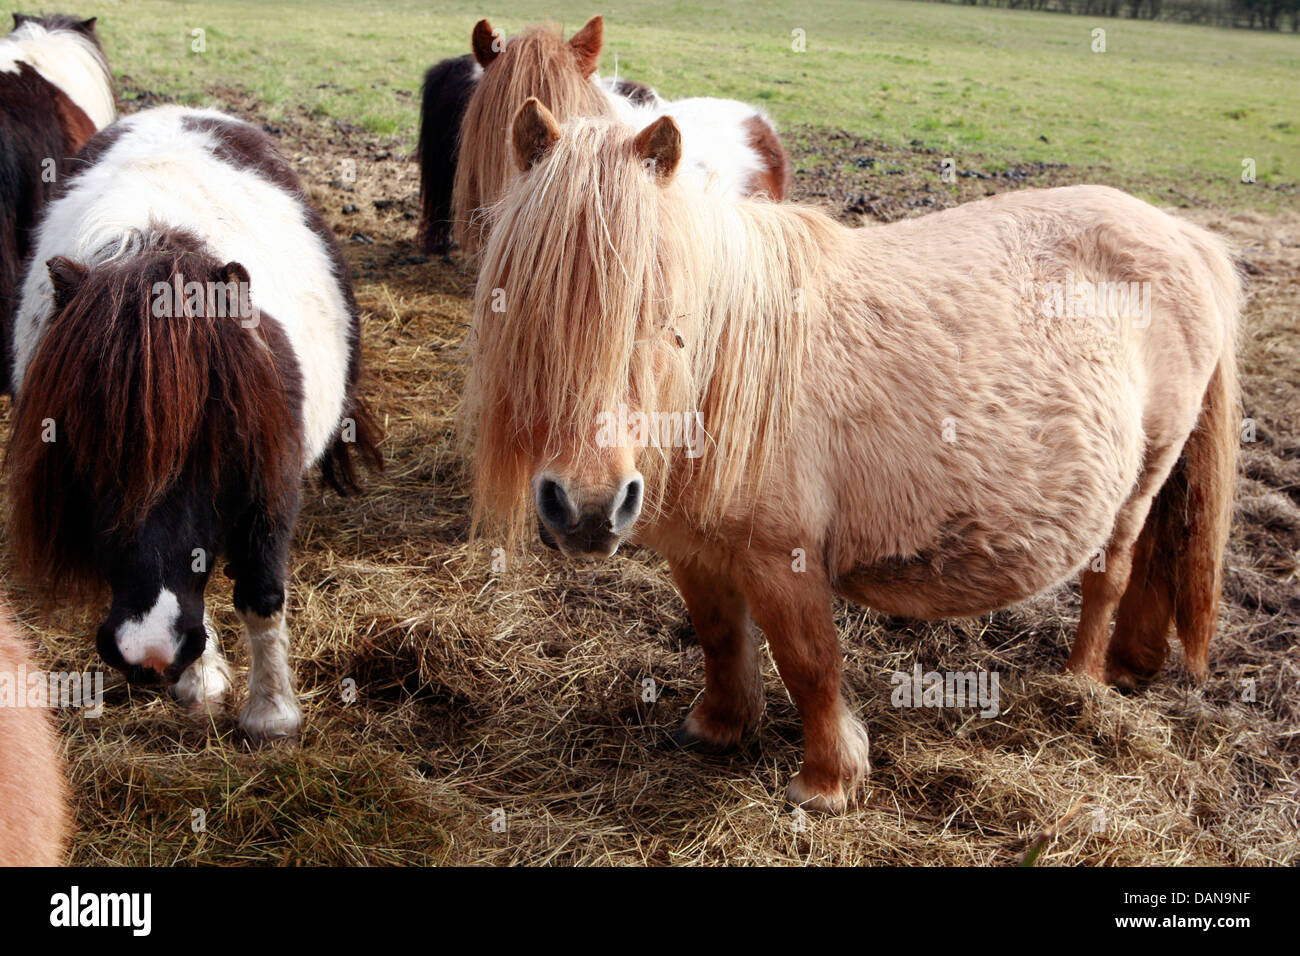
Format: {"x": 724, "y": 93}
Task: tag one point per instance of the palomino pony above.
{"x": 33, "y": 800}
{"x": 928, "y": 417}
{"x": 730, "y": 146}
{"x": 187, "y": 349}
{"x": 445, "y": 96}
{"x": 55, "y": 93}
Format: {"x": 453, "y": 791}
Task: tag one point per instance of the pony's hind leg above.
{"x": 733, "y": 689}
{"x": 259, "y": 558}
{"x": 202, "y": 689}
{"x": 1103, "y": 590}
{"x": 1140, "y": 642}
{"x": 794, "y": 611}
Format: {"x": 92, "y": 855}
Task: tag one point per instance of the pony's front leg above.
{"x": 260, "y": 562}
{"x": 794, "y": 611}
{"x": 203, "y": 687}
{"x": 733, "y": 689}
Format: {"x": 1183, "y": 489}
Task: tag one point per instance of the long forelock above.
{"x": 616, "y": 289}
{"x": 137, "y": 401}
{"x": 536, "y": 62}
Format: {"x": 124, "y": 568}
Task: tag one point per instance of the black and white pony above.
{"x": 185, "y": 348}
{"x": 447, "y": 88}
{"x": 55, "y": 93}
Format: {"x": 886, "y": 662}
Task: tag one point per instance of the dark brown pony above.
{"x": 446, "y": 92}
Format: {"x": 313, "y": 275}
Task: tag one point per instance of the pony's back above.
{"x": 33, "y": 802}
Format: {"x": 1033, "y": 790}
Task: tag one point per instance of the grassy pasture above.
{"x": 1163, "y": 102}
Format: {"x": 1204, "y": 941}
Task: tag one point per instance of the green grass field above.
{"x": 1164, "y": 102}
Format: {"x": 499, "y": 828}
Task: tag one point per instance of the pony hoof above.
{"x": 202, "y": 689}
{"x": 706, "y": 736}
{"x": 1128, "y": 675}
{"x": 270, "y": 723}
{"x": 816, "y": 799}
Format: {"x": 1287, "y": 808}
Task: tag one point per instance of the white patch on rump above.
{"x": 151, "y": 638}
{"x": 68, "y": 60}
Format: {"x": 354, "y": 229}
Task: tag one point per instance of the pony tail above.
{"x": 337, "y": 467}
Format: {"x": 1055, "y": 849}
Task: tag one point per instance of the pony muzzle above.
{"x": 586, "y": 523}
{"x": 161, "y": 660}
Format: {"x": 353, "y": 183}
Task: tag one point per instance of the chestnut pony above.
{"x": 904, "y": 415}
{"x": 730, "y": 146}
{"x": 34, "y": 818}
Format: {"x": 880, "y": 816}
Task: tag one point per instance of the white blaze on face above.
{"x": 150, "y": 640}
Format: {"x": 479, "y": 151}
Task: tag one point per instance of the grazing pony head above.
{"x": 152, "y": 414}
{"x": 637, "y": 343}
{"x": 539, "y": 63}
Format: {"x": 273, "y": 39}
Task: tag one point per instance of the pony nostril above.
{"x": 554, "y": 506}
{"x": 629, "y": 509}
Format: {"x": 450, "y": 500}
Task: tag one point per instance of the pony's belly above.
{"x": 956, "y": 586}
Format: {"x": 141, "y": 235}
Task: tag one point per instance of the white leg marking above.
{"x": 205, "y": 683}
{"x": 272, "y": 708}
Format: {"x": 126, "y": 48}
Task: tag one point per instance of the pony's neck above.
{"x": 68, "y": 60}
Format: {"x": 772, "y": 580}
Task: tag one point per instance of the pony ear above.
{"x": 21, "y": 18}
{"x": 586, "y": 44}
{"x": 234, "y": 272}
{"x": 486, "y": 43}
{"x": 535, "y": 131}
{"x": 88, "y": 26}
{"x": 66, "y": 276}
{"x": 660, "y": 147}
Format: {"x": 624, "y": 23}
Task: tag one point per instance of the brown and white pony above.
{"x": 186, "y": 347}
{"x": 34, "y": 818}
{"x": 55, "y": 93}
{"x": 728, "y": 146}
{"x": 444, "y": 98}
{"x": 914, "y": 416}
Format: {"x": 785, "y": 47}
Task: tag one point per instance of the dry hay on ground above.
{"x": 522, "y": 690}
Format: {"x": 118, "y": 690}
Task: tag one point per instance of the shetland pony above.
{"x": 925, "y": 417}
{"x": 728, "y": 145}
{"x": 55, "y": 93}
{"x": 33, "y": 800}
{"x": 185, "y": 348}
{"x": 444, "y": 98}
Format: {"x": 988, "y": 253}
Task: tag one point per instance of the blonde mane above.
{"x": 601, "y": 286}
{"x": 537, "y": 62}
